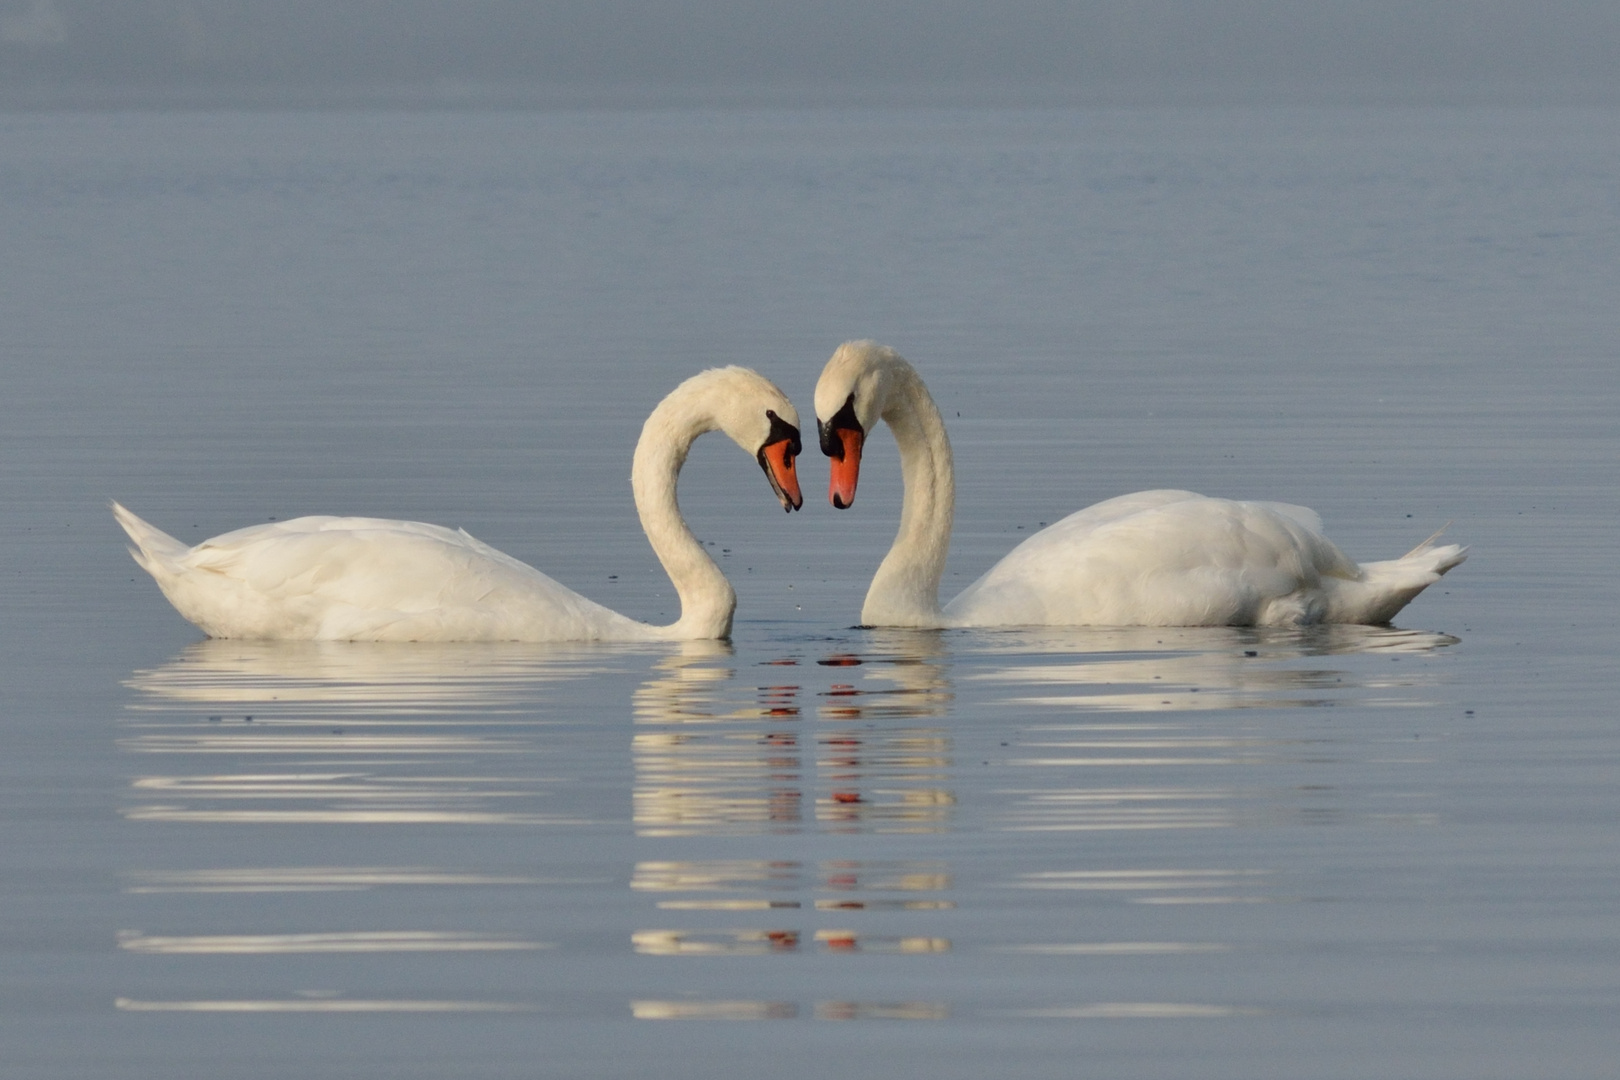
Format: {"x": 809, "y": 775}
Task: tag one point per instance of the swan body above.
{"x": 1153, "y": 558}
{"x": 370, "y": 579}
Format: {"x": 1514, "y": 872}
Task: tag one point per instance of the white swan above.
{"x": 343, "y": 579}
{"x": 1155, "y": 558}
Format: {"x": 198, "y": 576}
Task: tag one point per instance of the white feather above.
{"x": 352, "y": 578}
{"x": 1152, "y": 558}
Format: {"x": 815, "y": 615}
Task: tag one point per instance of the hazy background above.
{"x": 99, "y": 52}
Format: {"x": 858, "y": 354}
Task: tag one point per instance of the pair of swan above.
{"x": 1155, "y": 558}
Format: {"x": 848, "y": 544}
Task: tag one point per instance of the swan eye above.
{"x": 782, "y": 431}
{"x": 843, "y": 420}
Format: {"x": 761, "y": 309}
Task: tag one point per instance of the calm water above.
{"x": 818, "y": 850}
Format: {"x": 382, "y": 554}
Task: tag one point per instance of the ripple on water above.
{"x": 894, "y": 738}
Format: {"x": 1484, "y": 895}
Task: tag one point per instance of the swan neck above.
{"x": 707, "y": 598}
{"x": 905, "y": 590}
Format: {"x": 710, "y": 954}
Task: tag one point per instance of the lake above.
{"x": 818, "y": 849}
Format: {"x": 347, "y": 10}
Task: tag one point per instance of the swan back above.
{"x": 1162, "y": 558}
{"x": 343, "y": 579}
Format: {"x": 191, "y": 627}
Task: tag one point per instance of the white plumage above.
{"x": 370, "y": 579}
{"x": 1153, "y": 558}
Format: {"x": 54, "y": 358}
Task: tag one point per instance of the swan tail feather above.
{"x": 1429, "y": 543}
{"x": 155, "y": 550}
{"x": 1387, "y": 587}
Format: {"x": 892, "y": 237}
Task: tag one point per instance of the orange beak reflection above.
{"x": 777, "y": 459}
{"x": 846, "y": 470}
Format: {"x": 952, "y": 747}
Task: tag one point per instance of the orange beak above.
{"x": 845, "y": 470}
{"x": 777, "y": 458}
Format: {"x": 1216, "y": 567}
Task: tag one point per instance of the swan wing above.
{"x": 1303, "y": 516}
{"x": 337, "y": 578}
{"x": 1161, "y": 558}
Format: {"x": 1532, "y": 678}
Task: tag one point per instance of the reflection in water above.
{"x": 707, "y": 758}
{"x": 856, "y": 941}
{"x": 714, "y": 1010}
{"x": 321, "y": 1005}
{"x": 340, "y": 734}
{"x": 1178, "y": 675}
{"x": 1186, "y": 669}
{"x": 787, "y": 1010}
{"x": 890, "y": 1010}
{"x": 319, "y": 879}
{"x": 714, "y": 942}
{"x": 716, "y": 874}
{"x": 339, "y": 799}
{"x": 763, "y": 942}
{"x": 722, "y": 875}
{"x": 1119, "y": 948}
{"x": 1279, "y": 642}
{"x": 855, "y": 881}
{"x": 345, "y": 733}
{"x": 1154, "y": 886}
{"x": 1148, "y": 731}
{"x": 315, "y": 679}
{"x": 390, "y": 941}
{"x": 882, "y": 772}
{"x": 757, "y": 885}
{"x": 713, "y": 757}
{"x": 1132, "y": 1010}
{"x": 1093, "y": 809}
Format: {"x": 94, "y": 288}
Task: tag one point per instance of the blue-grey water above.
{"x": 819, "y": 850}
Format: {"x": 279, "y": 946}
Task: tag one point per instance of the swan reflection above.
{"x": 1119, "y": 948}
{"x": 711, "y": 755}
{"x": 1153, "y": 886}
{"x": 296, "y": 879}
{"x": 324, "y": 678}
{"x": 1132, "y": 1010}
{"x": 758, "y": 884}
{"x": 882, "y": 1010}
{"x": 766, "y": 942}
{"x": 375, "y": 941}
{"x": 1329, "y": 640}
{"x": 847, "y": 886}
{"x": 1072, "y": 688}
{"x": 788, "y": 1010}
{"x": 321, "y": 1005}
{"x": 1192, "y": 669}
{"x": 343, "y": 733}
{"x": 714, "y": 1010}
{"x": 1131, "y": 741}
{"x": 881, "y": 769}
{"x": 716, "y": 752}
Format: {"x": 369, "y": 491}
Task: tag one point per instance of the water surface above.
{"x": 1334, "y": 853}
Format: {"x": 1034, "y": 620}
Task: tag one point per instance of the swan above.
{"x": 367, "y": 579}
{"x": 1153, "y": 558}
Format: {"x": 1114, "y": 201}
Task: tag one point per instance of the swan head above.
{"x": 760, "y": 419}
{"x": 776, "y": 456}
{"x": 852, "y": 393}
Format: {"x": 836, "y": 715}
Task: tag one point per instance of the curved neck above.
{"x": 905, "y": 589}
{"x": 707, "y": 599}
